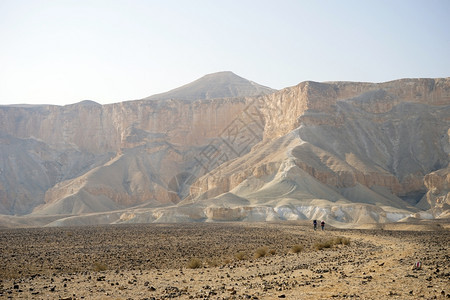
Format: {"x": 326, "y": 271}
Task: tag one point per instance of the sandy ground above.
{"x": 151, "y": 262}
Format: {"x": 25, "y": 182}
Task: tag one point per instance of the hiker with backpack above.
{"x": 315, "y": 224}
{"x": 322, "y": 224}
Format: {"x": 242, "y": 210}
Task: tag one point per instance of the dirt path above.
{"x": 381, "y": 269}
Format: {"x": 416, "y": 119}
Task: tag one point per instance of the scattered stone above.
{"x": 391, "y": 293}
{"x": 257, "y": 279}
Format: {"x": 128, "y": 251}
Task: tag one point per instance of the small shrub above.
{"x": 342, "y": 241}
{"x": 261, "y": 252}
{"x": 240, "y": 256}
{"x": 272, "y": 251}
{"x": 332, "y": 242}
{"x": 297, "y": 249}
{"x": 194, "y": 263}
{"x": 213, "y": 263}
{"x": 318, "y": 246}
{"x": 323, "y": 245}
{"x": 98, "y": 266}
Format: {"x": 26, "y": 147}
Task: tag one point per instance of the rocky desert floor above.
{"x": 223, "y": 261}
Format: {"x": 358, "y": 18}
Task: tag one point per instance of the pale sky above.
{"x": 62, "y": 52}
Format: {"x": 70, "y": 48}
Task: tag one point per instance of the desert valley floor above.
{"x": 220, "y": 261}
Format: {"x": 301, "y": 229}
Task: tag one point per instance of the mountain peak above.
{"x": 221, "y": 73}
{"x": 223, "y": 84}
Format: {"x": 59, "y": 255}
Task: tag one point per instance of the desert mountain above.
{"x": 217, "y": 85}
{"x": 85, "y": 157}
{"x": 355, "y": 153}
{"x": 226, "y": 149}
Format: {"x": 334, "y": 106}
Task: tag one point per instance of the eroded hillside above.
{"x": 349, "y": 153}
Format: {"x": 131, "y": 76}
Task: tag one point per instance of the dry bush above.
{"x": 342, "y": 241}
{"x": 213, "y": 263}
{"x": 297, "y": 249}
{"x": 323, "y": 245}
{"x": 272, "y": 251}
{"x": 240, "y": 255}
{"x": 332, "y": 242}
{"x": 194, "y": 263}
{"x": 98, "y": 266}
{"x": 261, "y": 252}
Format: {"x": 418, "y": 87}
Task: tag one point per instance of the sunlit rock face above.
{"x": 226, "y": 149}
{"x": 437, "y": 198}
{"x": 381, "y": 147}
{"x": 86, "y": 157}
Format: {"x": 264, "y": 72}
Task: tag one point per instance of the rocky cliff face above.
{"x": 284, "y": 110}
{"x": 389, "y": 128}
{"x": 374, "y": 144}
{"x": 57, "y": 160}
{"x": 156, "y": 139}
{"x": 341, "y": 151}
{"x": 437, "y": 198}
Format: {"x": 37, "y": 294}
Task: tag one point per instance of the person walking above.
{"x": 322, "y": 224}
{"x": 315, "y": 224}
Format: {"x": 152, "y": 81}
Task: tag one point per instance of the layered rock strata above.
{"x": 346, "y": 152}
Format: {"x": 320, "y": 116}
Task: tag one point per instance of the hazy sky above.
{"x": 61, "y": 51}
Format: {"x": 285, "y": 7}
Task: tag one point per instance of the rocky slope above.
{"x": 349, "y": 153}
{"x": 331, "y": 149}
{"x": 87, "y": 157}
